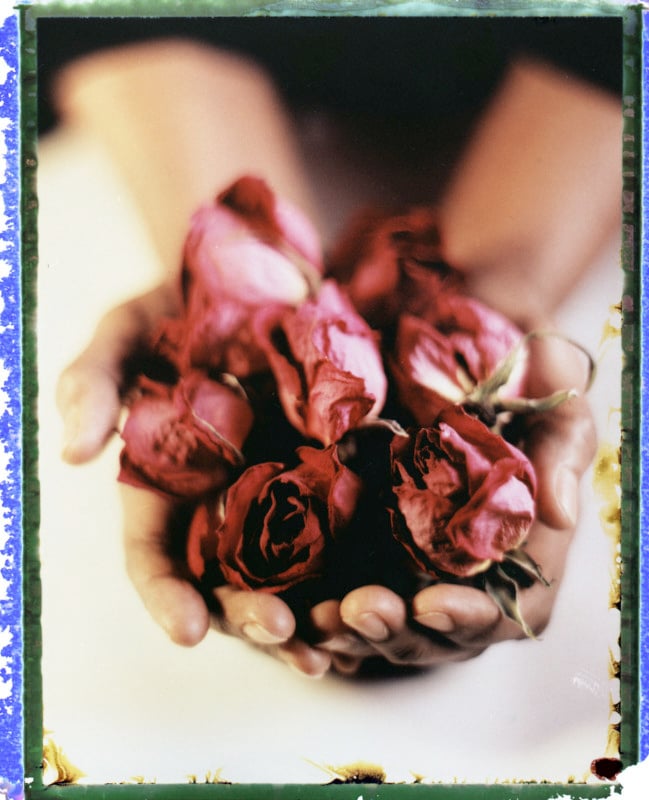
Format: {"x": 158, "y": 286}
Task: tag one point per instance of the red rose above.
{"x": 246, "y": 250}
{"x": 393, "y": 264}
{"x": 218, "y": 335}
{"x": 184, "y": 440}
{"x": 464, "y": 496}
{"x": 443, "y": 361}
{"x": 327, "y": 364}
{"x": 277, "y": 524}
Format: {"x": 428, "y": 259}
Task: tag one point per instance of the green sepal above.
{"x": 521, "y": 405}
{"x": 521, "y": 559}
{"x": 487, "y": 389}
{"x": 484, "y": 393}
{"x": 503, "y": 590}
{"x": 387, "y": 424}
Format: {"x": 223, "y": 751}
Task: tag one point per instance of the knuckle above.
{"x": 408, "y": 653}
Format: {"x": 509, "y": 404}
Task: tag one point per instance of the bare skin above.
{"x": 441, "y": 623}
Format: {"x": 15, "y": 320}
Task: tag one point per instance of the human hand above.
{"x": 89, "y": 397}
{"x": 443, "y": 622}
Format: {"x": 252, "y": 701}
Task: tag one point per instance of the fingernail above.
{"x": 318, "y": 665}
{"x": 259, "y": 634}
{"x": 313, "y": 675}
{"x": 371, "y": 626}
{"x": 342, "y": 642}
{"x": 437, "y": 620}
{"x": 566, "y": 491}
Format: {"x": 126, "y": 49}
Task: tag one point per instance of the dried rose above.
{"x": 327, "y": 364}
{"x": 184, "y": 439}
{"x": 246, "y": 250}
{"x": 464, "y": 496}
{"x": 393, "y": 264}
{"x": 447, "y": 361}
{"x": 276, "y": 525}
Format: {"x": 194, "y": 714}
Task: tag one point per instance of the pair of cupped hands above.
{"x": 441, "y": 623}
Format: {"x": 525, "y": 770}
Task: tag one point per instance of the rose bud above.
{"x": 464, "y": 496}
{"x": 327, "y": 364}
{"x": 392, "y": 264}
{"x": 277, "y": 524}
{"x": 184, "y": 440}
{"x": 449, "y": 362}
{"x": 246, "y": 250}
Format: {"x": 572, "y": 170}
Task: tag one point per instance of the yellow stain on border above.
{"x": 57, "y": 767}
{"x": 607, "y": 473}
{"x": 356, "y": 772}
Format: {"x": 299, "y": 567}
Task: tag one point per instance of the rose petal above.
{"x": 327, "y": 365}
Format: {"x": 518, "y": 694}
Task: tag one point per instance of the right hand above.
{"x": 89, "y": 397}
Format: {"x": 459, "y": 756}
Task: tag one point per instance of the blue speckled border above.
{"x": 11, "y": 707}
{"x": 643, "y": 617}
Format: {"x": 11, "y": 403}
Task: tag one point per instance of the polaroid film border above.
{"x": 21, "y": 25}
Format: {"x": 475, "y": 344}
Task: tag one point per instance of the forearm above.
{"x": 180, "y": 121}
{"x": 537, "y": 193}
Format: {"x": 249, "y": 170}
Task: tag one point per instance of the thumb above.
{"x": 88, "y": 399}
{"x": 88, "y": 392}
{"x": 561, "y": 445}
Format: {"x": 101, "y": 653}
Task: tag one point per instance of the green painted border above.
{"x": 630, "y": 444}
{"x": 33, "y": 695}
{"x": 348, "y": 791}
{"x": 630, "y": 690}
{"x": 207, "y": 8}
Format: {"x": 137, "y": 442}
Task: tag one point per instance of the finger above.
{"x": 88, "y": 391}
{"x": 561, "y": 442}
{"x": 334, "y": 636}
{"x": 267, "y": 622}
{"x": 381, "y": 616}
{"x": 258, "y": 617}
{"x": 560, "y": 445}
{"x": 346, "y": 665}
{"x": 160, "y": 581}
{"x": 88, "y": 399}
{"x": 468, "y": 617}
{"x": 374, "y": 612}
{"x": 303, "y": 659}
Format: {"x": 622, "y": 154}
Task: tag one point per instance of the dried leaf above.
{"x": 522, "y": 559}
{"x": 503, "y": 590}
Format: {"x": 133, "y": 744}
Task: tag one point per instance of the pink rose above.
{"x": 464, "y": 496}
{"x": 327, "y": 364}
{"x": 277, "y": 525}
{"x": 440, "y": 362}
{"x": 393, "y": 264}
{"x": 246, "y": 250}
{"x": 184, "y": 440}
